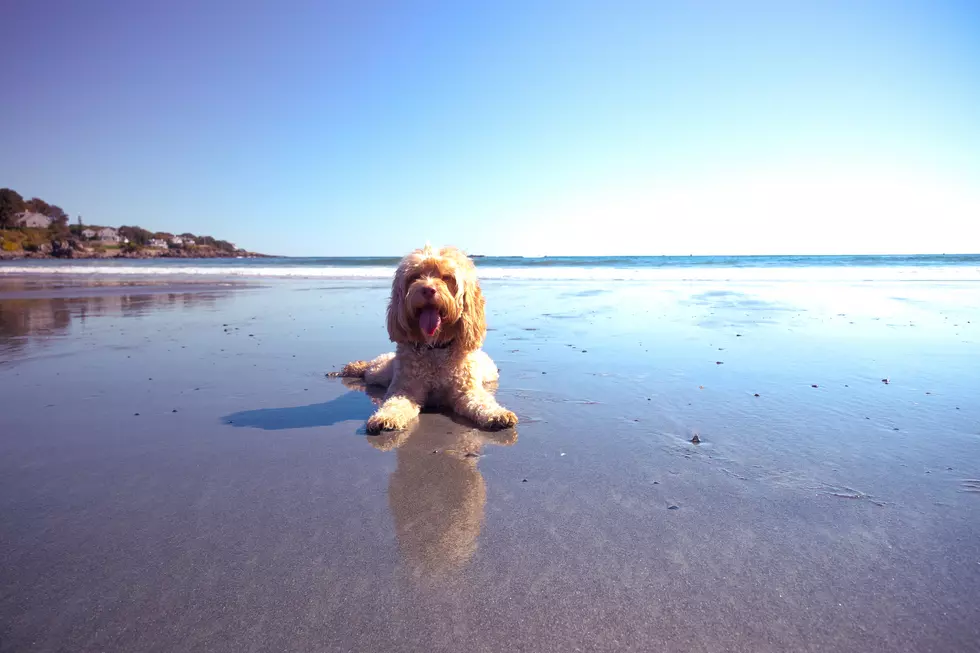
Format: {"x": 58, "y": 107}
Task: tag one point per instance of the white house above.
{"x": 89, "y": 234}
{"x": 189, "y": 241}
{"x": 108, "y": 235}
{"x": 33, "y": 220}
{"x": 176, "y": 240}
{"x": 158, "y": 242}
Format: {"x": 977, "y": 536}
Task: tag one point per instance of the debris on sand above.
{"x": 756, "y": 394}
{"x": 673, "y": 507}
{"x": 696, "y": 439}
{"x": 813, "y": 385}
{"x": 885, "y": 381}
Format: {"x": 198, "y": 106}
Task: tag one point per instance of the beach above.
{"x": 178, "y": 473}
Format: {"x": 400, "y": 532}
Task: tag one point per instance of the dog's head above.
{"x": 436, "y": 300}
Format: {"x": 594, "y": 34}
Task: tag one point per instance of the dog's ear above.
{"x": 473, "y": 323}
{"x": 398, "y": 329}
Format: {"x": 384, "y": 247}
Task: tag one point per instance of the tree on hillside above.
{"x": 37, "y": 205}
{"x": 59, "y": 227}
{"x": 57, "y": 213}
{"x": 11, "y": 203}
{"x": 136, "y": 235}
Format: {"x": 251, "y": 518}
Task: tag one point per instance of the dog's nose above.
{"x": 428, "y": 292}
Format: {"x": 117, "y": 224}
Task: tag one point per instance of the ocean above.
{"x": 960, "y": 267}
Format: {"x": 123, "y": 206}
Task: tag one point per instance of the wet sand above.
{"x": 177, "y": 473}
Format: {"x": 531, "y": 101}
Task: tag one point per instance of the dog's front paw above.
{"x": 378, "y": 423}
{"x": 502, "y": 420}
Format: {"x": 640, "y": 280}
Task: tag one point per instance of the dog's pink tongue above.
{"x": 429, "y": 320}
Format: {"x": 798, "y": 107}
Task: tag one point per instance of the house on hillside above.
{"x": 108, "y": 235}
{"x": 177, "y": 241}
{"x": 157, "y": 242}
{"x": 89, "y": 234}
{"x": 33, "y": 220}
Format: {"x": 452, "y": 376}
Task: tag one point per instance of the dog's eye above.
{"x": 448, "y": 277}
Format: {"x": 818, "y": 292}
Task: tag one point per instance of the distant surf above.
{"x": 626, "y": 268}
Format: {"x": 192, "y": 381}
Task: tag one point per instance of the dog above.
{"x": 436, "y": 318}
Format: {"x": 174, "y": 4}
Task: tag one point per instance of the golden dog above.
{"x": 436, "y": 318}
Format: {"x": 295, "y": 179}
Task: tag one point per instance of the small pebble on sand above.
{"x": 884, "y": 381}
{"x": 756, "y": 394}
{"x": 673, "y": 507}
{"x": 696, "y": 439}
{"x": 813, "y": 385}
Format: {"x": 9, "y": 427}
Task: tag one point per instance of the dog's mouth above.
{"x": 429, "y": 320}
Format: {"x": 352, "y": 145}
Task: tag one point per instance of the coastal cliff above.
{"x": 35, "y": 229}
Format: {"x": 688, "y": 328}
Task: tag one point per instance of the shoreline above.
{"x": 140, "y": 255}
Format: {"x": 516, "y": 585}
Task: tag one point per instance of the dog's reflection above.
{"x": 436, "y": 493}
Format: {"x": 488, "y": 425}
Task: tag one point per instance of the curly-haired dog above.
{"x": 436, "y": 317}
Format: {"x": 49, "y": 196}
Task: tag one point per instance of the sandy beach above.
{"x": 177, "y": 473}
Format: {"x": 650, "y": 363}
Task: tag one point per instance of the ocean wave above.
{"x": 931, "y": 273}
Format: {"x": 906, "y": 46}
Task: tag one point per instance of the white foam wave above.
{"x": 677, "y": 274}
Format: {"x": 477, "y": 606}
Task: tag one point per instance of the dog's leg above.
{"x": 376, "y": 372}
{"x": 397, "y": 411}
{"x": 352, "y": 370}
{"x": 381, "y": 370}
{"x": 482, "y": 408}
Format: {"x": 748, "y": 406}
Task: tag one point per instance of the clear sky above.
{"x": 364, "y": 128}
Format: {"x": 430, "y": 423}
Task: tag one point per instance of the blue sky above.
{"x": 363, "y": 128}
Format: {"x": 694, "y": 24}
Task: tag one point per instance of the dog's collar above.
{"x": 419, "y": 346}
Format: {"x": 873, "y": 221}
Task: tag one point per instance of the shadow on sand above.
{"x": 354, "y": 405}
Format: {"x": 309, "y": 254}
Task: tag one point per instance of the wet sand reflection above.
{"x": 436, "y": 493}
